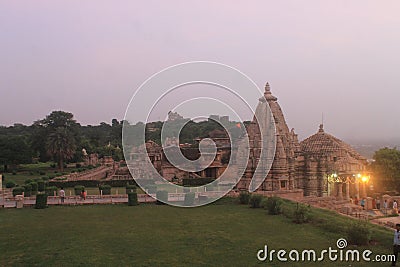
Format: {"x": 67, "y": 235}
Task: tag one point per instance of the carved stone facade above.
{"x": 295, "y": 166}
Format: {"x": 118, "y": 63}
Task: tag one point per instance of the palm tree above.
{"x": 61, "y": 145}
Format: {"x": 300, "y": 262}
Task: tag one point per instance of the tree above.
{"x": 14, "y": 150}
{"x": 61, "y": 145}
{"x": 60, "y": 132}
{"x": 386, "y": 169}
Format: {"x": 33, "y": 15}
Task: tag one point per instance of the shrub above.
{"x": 27, "y": 190}
{"x": 132, "y": 199}
{"x": 162, "y": 197}
{"x": 358, "y": 233}
{"x": 78, "y": 165}
{"x": 41, "y": 201}
{"x": 244, "y": 197}
{"x": 197, "y": 181}
{"x": 41, "y": 186}
{"x": 105, "y": 188}
{"x": 130, "y": 188}
{"x": 274, "y": 205}
{"x": 255, "y": 201}
{"x": 31, "y": 173}
{"x": 53, "y": 165}
{"x": 50, "y": 176}
{"x": 28, "y": 181}
{"x": 151, "y": 189}
{"x": 264, "y": 203}
{"x": 10, "y": 184}
{"x": 17, "y": 191}
{"x": 78, "y": 189}
{"x": 302, "y": 214}
{"x": 42, "y": 173}
{"x": 50, "y": 190}
{"x": 189, "y": 199}
{"x": 34, "y": 186}
{"x": 14, "y": 173}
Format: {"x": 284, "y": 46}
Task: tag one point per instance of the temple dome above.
{"x": 323, "y": 143}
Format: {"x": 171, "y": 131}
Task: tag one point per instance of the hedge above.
{"x": 189, "y": 199}
{"x": 17, "y": 191}
{"x": 10, "y": 184}
{"x": 27, "y": 190}
{"x": 197, "y": 181}
{"x": 41, "y": 201}
{"x": 133, "y": 199}
{"x": 50, "y": 190}
{"x": 130, "y": 188}
{"x": 34, "y": 188}
{"x": 162, "y": 197}
{"x": 41, "y": 186}
{"x": 255, "y": 201}
{"x": 244, "y": 197}
{"x": 106, "y": 189}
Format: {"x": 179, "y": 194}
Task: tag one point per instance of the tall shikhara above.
{"x": 282, "y": 175}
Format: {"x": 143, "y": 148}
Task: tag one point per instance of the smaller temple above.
{"x": 323, "y": 155}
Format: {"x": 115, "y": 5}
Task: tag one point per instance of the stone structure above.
{"x": 323, "y": 154}
{"x": 296, "y": 165}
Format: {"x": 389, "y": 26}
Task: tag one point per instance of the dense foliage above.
{"x": 386, "y": 169}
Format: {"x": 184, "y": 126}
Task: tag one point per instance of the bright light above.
{"x": 359, "y": 175}
{"x": 364, "y": 179}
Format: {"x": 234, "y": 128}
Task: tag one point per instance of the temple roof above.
{"x": 324, "y": 143}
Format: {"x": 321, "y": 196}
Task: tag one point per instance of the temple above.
{"x": 320, "y": 165}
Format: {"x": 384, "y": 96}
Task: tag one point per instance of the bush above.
{"x": 10, "y": 184}
{"x": 53, "y": 165}
{"x": 162, "y": 197}
{"x": 34, "y": 188}
{"x": 189, "y": 199}
{"x": 17, "y": 191}
{"x": 302, "y": 214}
{"x": 28, "y": 181}
{"x": 244, "y": 197}
{"x": 273, "y": 205}
{"x": 358, "y": 233}
{"x": 14, "y": 173}
{"x": 132, "y": 199}
{"x": 78, "y": 165}
{"x": 50, "y": 176}
{"x": 130, "y": 188}
{"x": 255, "y": 201}
{"x": 42, "y": 173}
{"x": 41, "y": 186}
{"x": 50, "y": 190}
{"x": 151, "y": 189}
{"x": 106, "y": 189}
{"x": 197, "y": 181}
{"x": 78, "y": 189}
{"x": 27, "y": 190}
{"x": 41, "y": 201}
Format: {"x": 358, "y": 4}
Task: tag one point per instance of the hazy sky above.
{"x": 341, "y": 58}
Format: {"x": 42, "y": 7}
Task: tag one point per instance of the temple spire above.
{"x": 267, "y": 93}
{"x": 321, "y": 128}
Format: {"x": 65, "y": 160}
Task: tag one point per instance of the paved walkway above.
{"x": 11, "y": 202}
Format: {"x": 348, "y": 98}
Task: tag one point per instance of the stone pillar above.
{"x": 358, "y": 189}
{"x": 340, "y": 191}
{"x": 347, "y": 190}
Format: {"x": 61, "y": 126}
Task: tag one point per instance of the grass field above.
{"x": 222, "y": 234}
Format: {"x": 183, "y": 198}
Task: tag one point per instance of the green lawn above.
{"x": 222, "y": 234}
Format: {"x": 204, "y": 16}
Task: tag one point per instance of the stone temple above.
{"x": 298, "y": 168}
